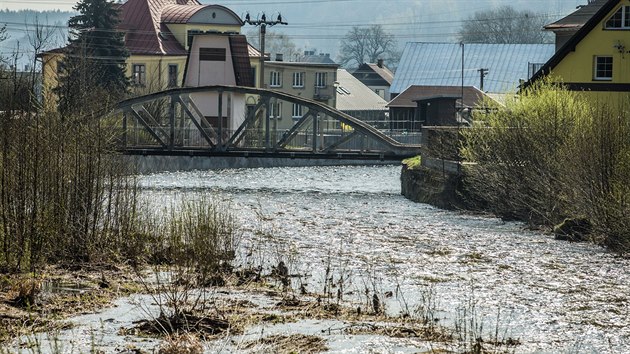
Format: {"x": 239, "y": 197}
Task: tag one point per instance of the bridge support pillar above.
{"x": 171, "y": 122}
{"x": 315, "y": 131}
{"x": 267, "y": 124}
{"x": 220, "y": 123}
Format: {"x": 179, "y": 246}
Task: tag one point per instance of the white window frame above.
{"x": 275, "y": 110}
{"x": 275, "y": 79}
{"x": 139, "y": 77}
{"x": 297, "y": 111}
{"x": 596, "y": 68}
{"x": 625, "y": 18}
{"x": 298, "y": 79}
{"x": 321, "y": 79}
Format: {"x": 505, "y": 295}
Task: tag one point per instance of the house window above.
{"x": 320, "y": 79}
{"x": 172, "y": 75}
{"x": 298, "y": 79}
{"x": 621, "y": 18}
{"x": 275, "y": 79}
{"x": 297, "y": 111}
{"x": 603, "y": 68}
{"x": 212, "y": 54}
{"x": 275, "y": 110}
{"x": 139, "y": 77}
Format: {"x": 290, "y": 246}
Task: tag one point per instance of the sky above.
{"x": 320, "y": 24}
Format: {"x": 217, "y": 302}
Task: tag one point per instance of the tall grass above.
{"x": 64, "y": 196}
{"x": 552, "y": 154}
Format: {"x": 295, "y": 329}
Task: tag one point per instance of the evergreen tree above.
{"x": 94, "y": 60}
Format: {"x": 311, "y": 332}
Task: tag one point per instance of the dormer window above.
{"x": 620, "y": 20}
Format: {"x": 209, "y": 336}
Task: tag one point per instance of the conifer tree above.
{"x": 94, "y": 60}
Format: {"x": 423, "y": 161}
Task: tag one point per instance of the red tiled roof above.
{"x": 140, "y": 19}
{"x": 179, "y": 13}
{"x": 472, "y": 95}
{"x": 240, "y": 60}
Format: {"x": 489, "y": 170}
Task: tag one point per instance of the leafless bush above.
{"x": 552, "y": 154}
{"x": 64, "y": 195}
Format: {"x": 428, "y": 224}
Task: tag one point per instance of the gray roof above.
{"x": 319, "y": 59}
{"x": 408, "y": 98}
{"x": 353, "y": 95}
{"x": 440, "y": 64}
{"x": 577, "y": 18}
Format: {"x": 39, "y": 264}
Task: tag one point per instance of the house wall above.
{"x": 562, "y": 37}
{"x": 180, "y": 30}
{"x": 156, "y": 67}
{"x": 382, "y": 91}
{"x": 202, "y": 73}
{"x": 50, "y": 62}
{"x": 577, "y": 67}
{"x": 156, "y": 73}
{"x": 205, "y": 73}
{"x": 309, "y": 91}
{"x": 232, "y": 110}
{"x": 440, "y": 112}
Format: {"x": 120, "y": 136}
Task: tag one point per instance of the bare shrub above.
{"x": 181, "y": 344}
{"x": 517, "y": 151}
{"x": 194, "y": 243}
{"x": 552, "y": 154}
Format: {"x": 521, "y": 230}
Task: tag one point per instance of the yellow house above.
{"x": 158, "y": 34}
{"x": 595, "y": 59}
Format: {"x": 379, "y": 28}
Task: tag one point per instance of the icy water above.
{"x": 553, "y": 296}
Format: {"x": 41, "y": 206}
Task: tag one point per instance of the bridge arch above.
{"x": 161, "y": 116}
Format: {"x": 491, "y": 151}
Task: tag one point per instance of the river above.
{"x": 553, "y": 296}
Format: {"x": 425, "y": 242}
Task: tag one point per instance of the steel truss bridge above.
{"x": 171, "y": 123}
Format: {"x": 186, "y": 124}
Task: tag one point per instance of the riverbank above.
{"x": 426, "y": 185}
{"x": 33, "y": 303}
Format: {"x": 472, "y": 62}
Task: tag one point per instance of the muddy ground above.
{"x": 225, "y": 312}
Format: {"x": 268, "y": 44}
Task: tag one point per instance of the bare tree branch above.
{"x": 505, "y": 25}
{"x": 366, "y": 44}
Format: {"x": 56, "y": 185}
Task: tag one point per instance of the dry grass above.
{"x": 295, "y": 343}
{"x": 181, "y": 344}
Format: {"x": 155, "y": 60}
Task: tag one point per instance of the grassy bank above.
{"x": 550, "y": 155}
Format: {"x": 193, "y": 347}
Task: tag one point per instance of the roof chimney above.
{"x": 379, "y": 63}
{"x": 279, "y": 57}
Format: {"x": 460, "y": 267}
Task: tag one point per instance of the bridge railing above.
{"x": 192, "y": 138}
{"x": 227, "y": 118}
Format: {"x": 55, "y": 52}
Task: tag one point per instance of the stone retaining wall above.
{"x": 431, "y": 186}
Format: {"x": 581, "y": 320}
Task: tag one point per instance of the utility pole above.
{"x": 482, "y": 73}
{"x": 263, "y": 23}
